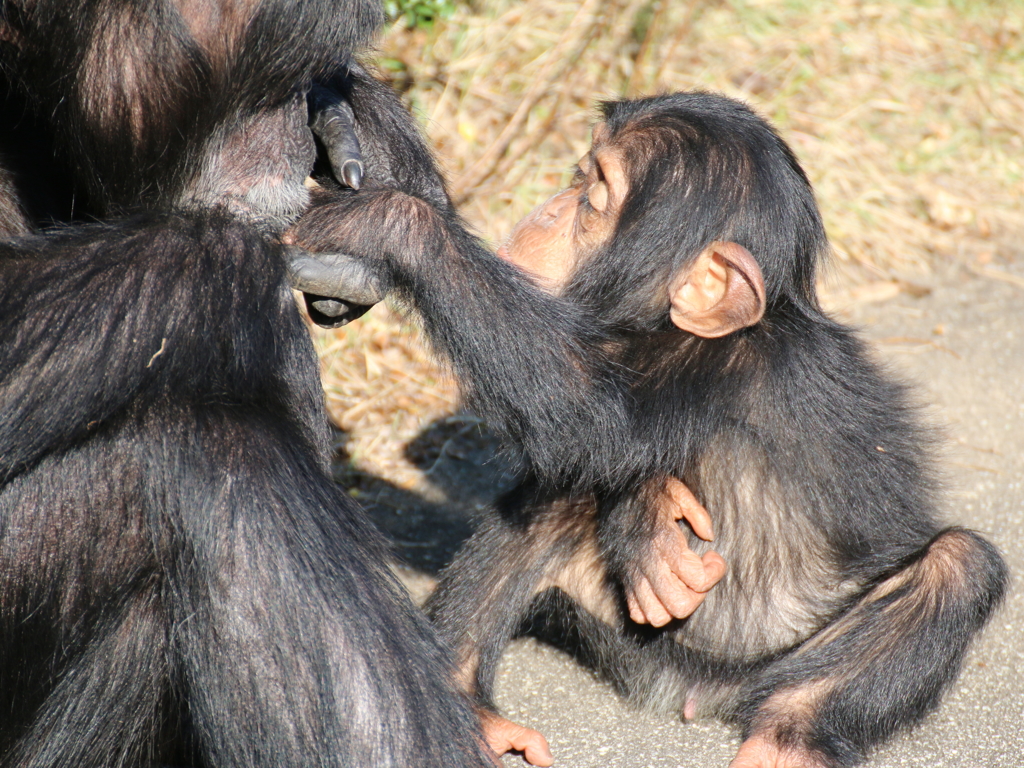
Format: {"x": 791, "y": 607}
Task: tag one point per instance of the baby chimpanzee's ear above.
{"x": 721, "y": 292}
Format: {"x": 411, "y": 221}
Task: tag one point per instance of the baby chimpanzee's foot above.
{"x": 504, "y": 736}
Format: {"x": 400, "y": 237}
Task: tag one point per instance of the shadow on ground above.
{"x": 463, "y": 472}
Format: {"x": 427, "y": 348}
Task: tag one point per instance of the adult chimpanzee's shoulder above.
{"x": 182, "y": 302}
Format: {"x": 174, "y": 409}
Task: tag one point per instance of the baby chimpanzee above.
{"x": 688, "y": 244}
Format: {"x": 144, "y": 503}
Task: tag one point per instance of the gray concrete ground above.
{"x": 963, "y": 344}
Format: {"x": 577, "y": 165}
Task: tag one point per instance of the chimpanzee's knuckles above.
{"x": 680, "y": 601}
{"x": 669, "y": 599}
{"x": 649, "y": 604}
{"x": 658, "y": 617}
{"x": 692, "y": 571}
{"x": 332, "y": 280}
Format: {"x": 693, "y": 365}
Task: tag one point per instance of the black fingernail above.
{"x": 330, "y": 307}
{"x": 352, "y": 173}
{"x": 332, "y": 313}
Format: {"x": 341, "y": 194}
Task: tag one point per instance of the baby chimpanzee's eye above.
{"x": 597, "y": 195}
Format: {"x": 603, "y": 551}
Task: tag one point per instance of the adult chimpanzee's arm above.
{"x": 530, "y": 363}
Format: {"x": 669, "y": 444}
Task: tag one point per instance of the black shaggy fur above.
{"x": 180, "y": 579}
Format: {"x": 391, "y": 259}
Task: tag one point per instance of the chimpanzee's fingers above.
{"x": 714, "y": 568}
{"x": 633, "y": 605}
{"x": 533, "y": 745}
{"x": 652, "y": 608}
{"x": 675, "y": 596}
{"x": 336, "y": 275}
{"x": 689, "y": 509}
{"x": 337, "y": 288}
{"x": 503, "y": 735}
{"x": 333, "y": 122}
{"x": 687, "y": 566}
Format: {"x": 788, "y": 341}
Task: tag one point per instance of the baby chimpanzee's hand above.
{"x": 673, "y": 579}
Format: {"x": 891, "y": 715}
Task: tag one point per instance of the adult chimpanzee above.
{"x": 179, "y": 576}
{"x": 690, "y": 240}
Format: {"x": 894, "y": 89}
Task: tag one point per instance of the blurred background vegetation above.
{"x": 906, "y": 114}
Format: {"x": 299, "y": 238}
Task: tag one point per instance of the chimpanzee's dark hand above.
{"x": 356, "y": 117}
{"x": 387, "y": 227}
{"x": 333, "y": 122}
{"x": 357, "y": 246}
{"x": 337, "y": 288}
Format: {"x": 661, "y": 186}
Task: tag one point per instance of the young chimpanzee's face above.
{"x": 718, "y": 291}
{"x": 558, "y": 235}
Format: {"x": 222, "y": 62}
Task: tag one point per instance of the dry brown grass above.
{"x": 382, "y": 387}
{"x": 907, "y": 116}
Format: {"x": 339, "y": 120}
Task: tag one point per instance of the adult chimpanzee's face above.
{"x": 558, "y": 235}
